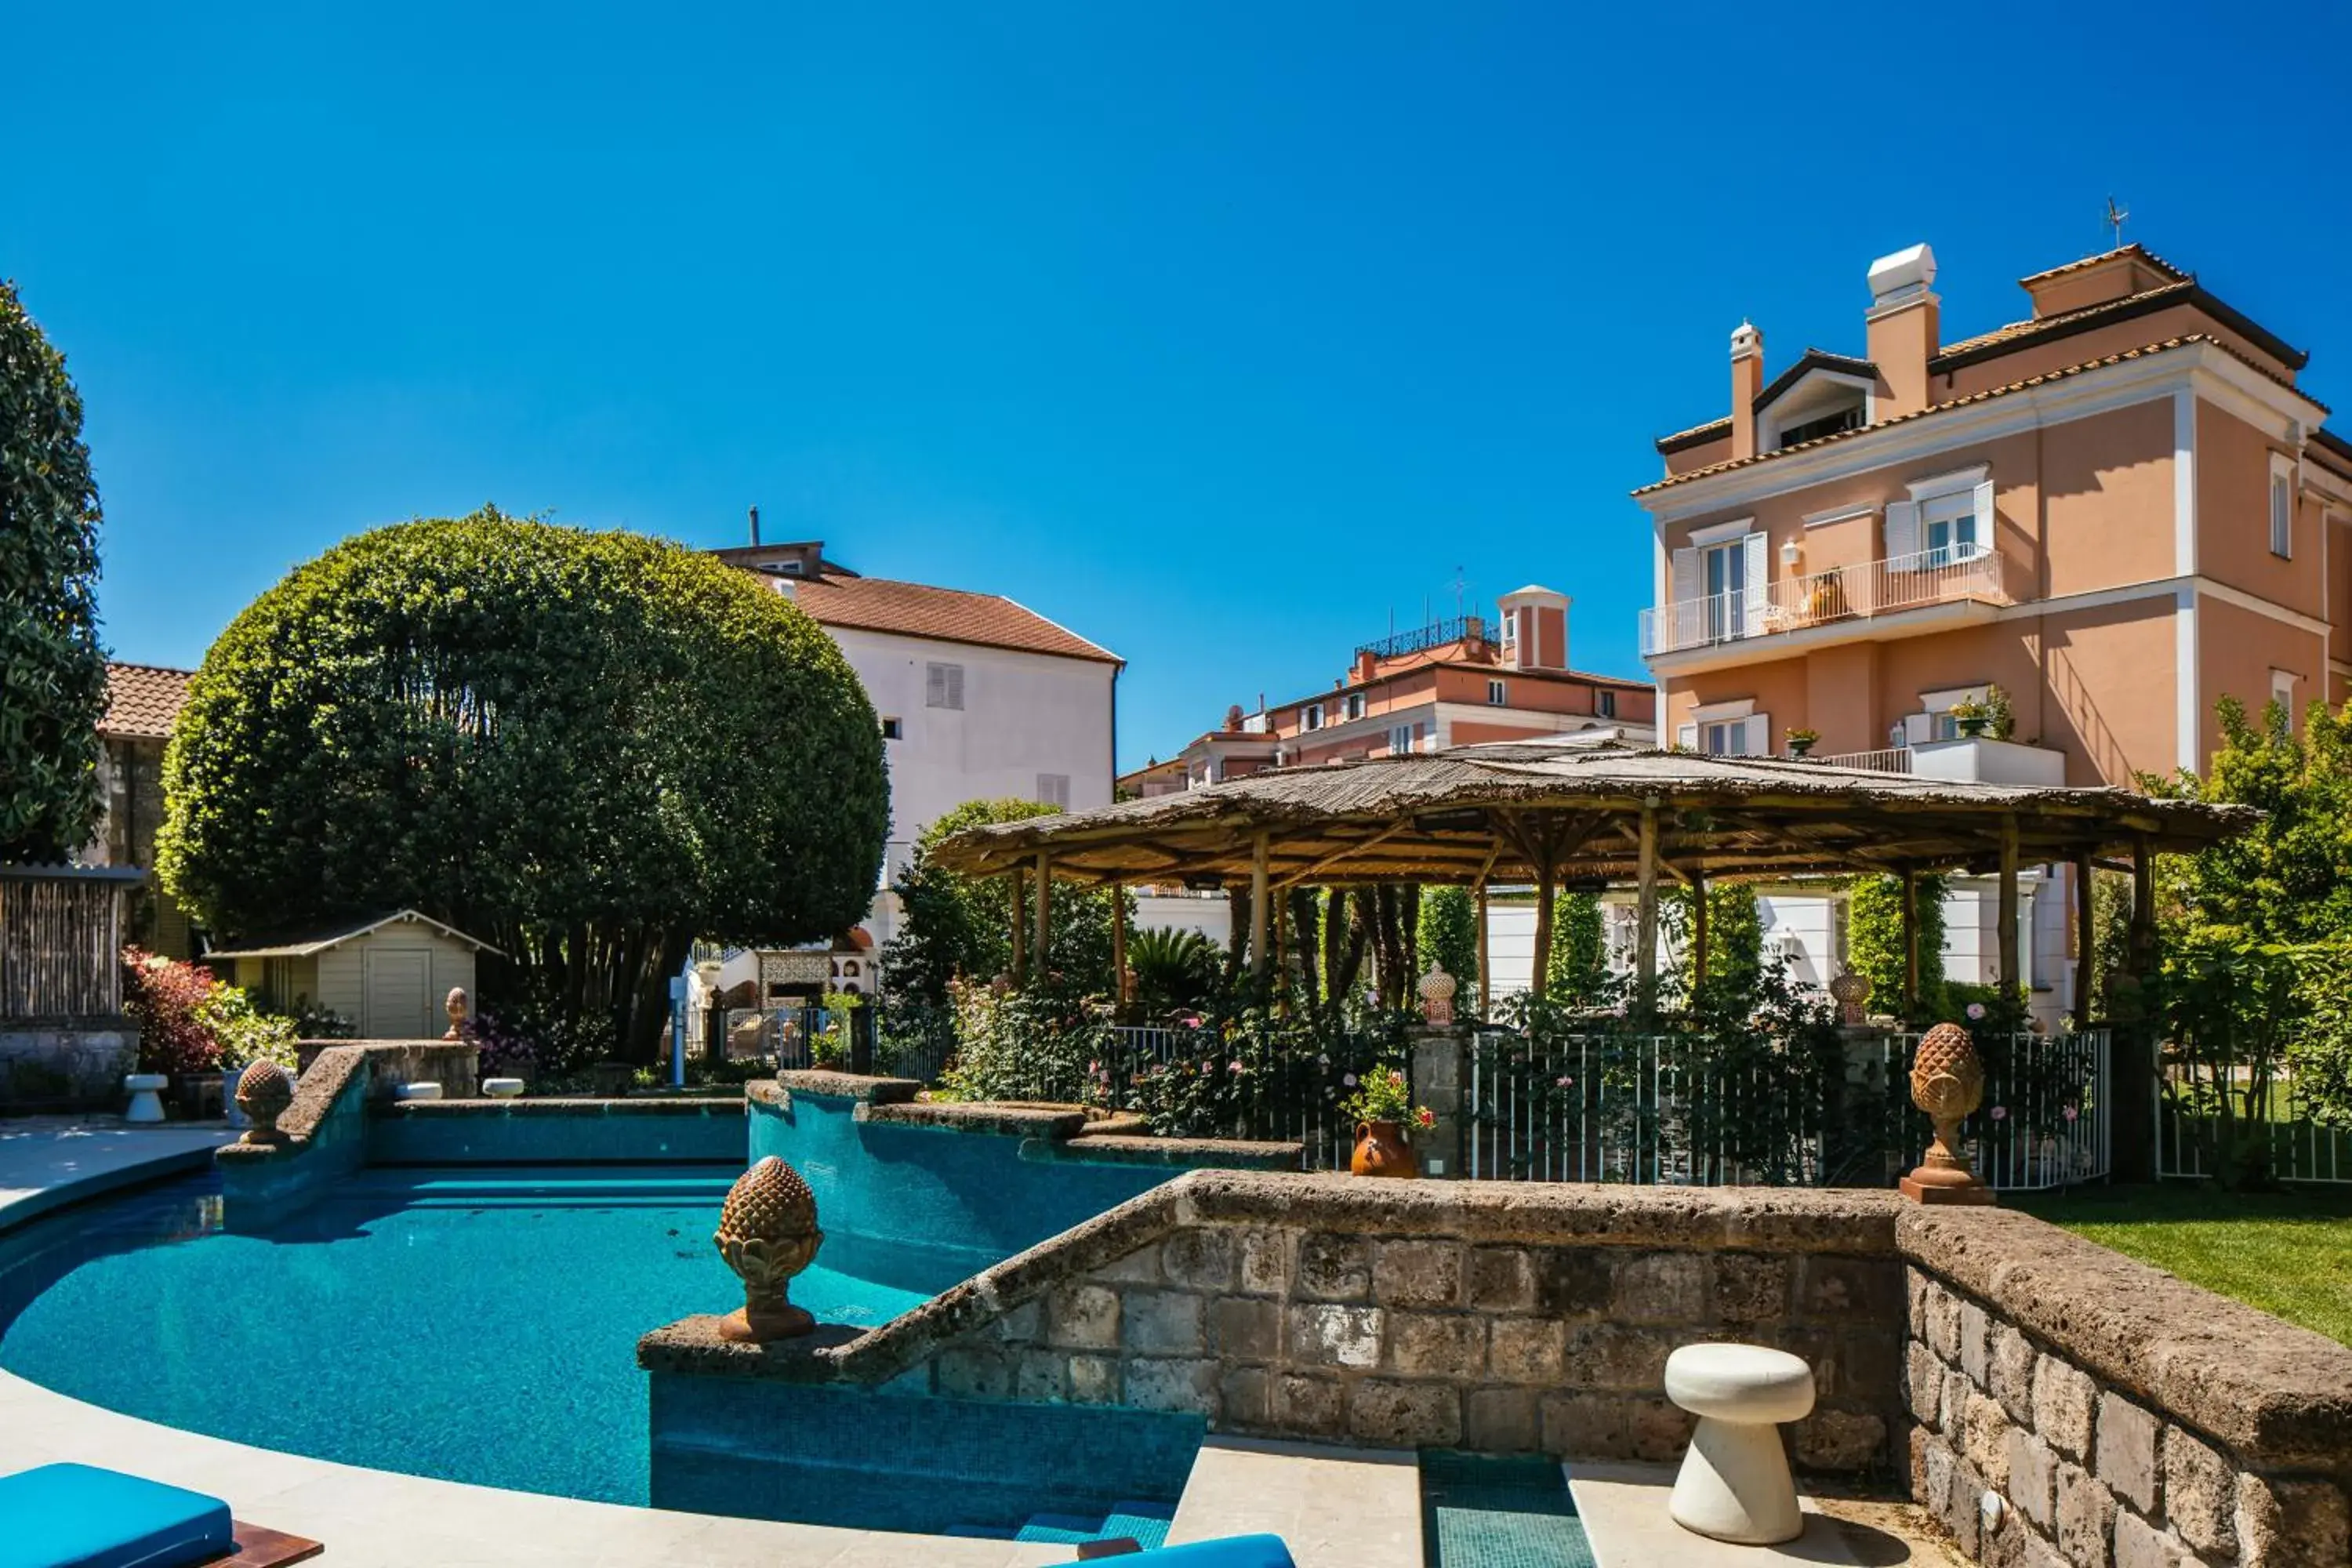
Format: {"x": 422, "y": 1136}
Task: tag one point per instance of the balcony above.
{"x": 1845, "y": 604}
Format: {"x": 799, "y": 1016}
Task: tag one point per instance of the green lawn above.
{"x": 2288, "y": 1253}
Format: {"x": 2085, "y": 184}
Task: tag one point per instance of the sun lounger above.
{"x": 80, "y": 1516}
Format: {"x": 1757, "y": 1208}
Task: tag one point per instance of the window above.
{"x": 943, "y": 686}
{"x": 1727, "y": 590}
{"x": 1054, "y": 789}
{"x": 2282, "y": 691}
{"x": 1400, "y": 739}
{"x": 1311, "y": 716}
{"x": 2282, "y": 506}
{"x": 1827, "y": 425}
{"x": 1727, "y": 730}
{"x": 1498, "y": 695}
{"x": 892, "y": 730}
{"x": 1948, "y": 529}
{"x": 1510, "y": 628}
{"x": 1355, "y": 705}
{"x": 1605, "y": 704}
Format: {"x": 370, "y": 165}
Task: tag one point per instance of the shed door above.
{"x": 399, "y": 1001}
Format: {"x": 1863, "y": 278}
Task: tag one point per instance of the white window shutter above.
{"x": 1919, "y": 727}
{"x": 1686, "y": 737}
{"x": 1902, "y": 529}
{"x": 1757, "y": 576}
{"x": 1984, "y": 518}
{"x": 1758, "y": 740}
{"x": 1689, "y": 582}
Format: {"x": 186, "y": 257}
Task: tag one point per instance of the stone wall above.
{"x": 325, "y": 1128}
{"x": 2120, "y": 1416}
{"x": 67, "y": 1062}
{"x": 1506, "y": 1319}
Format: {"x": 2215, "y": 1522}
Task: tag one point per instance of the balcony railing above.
{"x": 1420, "y": 639}
{"x": 1888, "y": 760}
{"x": 1859, "y": 592}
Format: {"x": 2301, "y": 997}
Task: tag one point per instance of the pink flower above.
{"x": 1094, "y": 1067}
{"x": 1977, "y": 1011}
{"x": 1566, "y": 1083}
{"x": 2071, "y": 1113}
{"x": 1234, "y": 1067}
{"x": 2001, "y": 1112}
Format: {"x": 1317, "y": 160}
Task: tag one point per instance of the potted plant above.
{"x": 1381, "y": 1109}
{"x": 1803, "y": 741}
{"x": 1973, "y": 717}
{"x": 2001, "y": 721}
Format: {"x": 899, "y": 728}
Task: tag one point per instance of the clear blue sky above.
{"x": 1213, "y": 330}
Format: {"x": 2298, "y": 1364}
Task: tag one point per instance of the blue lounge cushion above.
{"x": 1231, "y": 1552}
{"x": 79, "y": 1516}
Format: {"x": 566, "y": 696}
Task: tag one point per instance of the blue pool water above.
{"x": 474, "y": 1325}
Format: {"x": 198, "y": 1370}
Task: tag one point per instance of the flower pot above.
{"x": 1381, "y": 1150}
{"x": 1974, "y": 728}
{"x": 1800, "y": 748}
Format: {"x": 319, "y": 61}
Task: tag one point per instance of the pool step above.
{"x": 1144, "y": 1523}
{"x": 1480, "y": 1511}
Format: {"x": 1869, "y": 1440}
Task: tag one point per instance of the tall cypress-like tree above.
{"x": 55, "y": 689}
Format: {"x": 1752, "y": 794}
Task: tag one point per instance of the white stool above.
{"x": 146, "y": 1091}
{"x": 428, "y": 1090}
{"x": 503, "y": 1088}
{"x": 1735, "y": 1483}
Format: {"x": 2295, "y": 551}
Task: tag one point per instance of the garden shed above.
{"x": 389, "y": 973}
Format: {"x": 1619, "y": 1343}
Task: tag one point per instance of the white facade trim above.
{"x": 1711, "y": 712}
{"x": 1945, "y": 484}
{"x": 2184, "y": 482}
{"x": 2186, "y": 719}
{"x": 1722, "y": 532}
{"x": 2202, "y": 368}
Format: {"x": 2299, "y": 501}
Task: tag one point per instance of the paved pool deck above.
{"x": 1341, "y": 1508}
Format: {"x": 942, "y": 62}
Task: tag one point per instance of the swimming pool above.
{"x": 476, "y": 1325}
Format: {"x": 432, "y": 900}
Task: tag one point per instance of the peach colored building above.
{"x": 2118, "y": 509}
{"x": 1455, "y": 683}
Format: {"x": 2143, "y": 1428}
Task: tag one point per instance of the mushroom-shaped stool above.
{"x": 1735, "y": 1483}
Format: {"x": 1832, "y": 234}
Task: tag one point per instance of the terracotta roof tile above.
{"x": 1990, "y": 393}
{"x": 947, "y": 615}
{"x": 144, "y": 700}
{"x": 2133, "y": 249}
{"x": 2063, "y": 318}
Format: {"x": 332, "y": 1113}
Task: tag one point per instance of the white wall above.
{"x": 1211, "y": 914}
{"x": 1024, "y": 714}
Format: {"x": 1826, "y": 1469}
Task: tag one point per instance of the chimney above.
{"x": 755, "y": 528}
{"x": 1747, "y": 381}
{"x": 1904, "y": 321}
{"x": 1366, "y": 666}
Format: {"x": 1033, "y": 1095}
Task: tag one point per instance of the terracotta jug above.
{"x": 1381, "y": 1150}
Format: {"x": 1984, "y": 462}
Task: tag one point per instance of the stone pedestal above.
{"x": 1441, "y": 1077}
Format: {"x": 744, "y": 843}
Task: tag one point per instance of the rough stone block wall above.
{"x": 1404, "y": 1336}
{"x": 2067, "y": 1383}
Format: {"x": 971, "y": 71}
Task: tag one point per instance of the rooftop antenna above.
{"x": 2115, "y": 217}
{"x": 755, "y": 528}
{"x": 1458, "y": 593}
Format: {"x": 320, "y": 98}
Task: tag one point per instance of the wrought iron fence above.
{"x": 1660, "y": 1109}
{"x": 1207, "y": 1084}
{"x": 2267, "y": 1121}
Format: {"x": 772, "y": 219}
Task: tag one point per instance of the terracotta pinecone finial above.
{"x": 1947, "y": 1082}
{"x": 767, "y": 1234}
{"x": 1437, "y": 989}
{"x": 264, "y": 1090}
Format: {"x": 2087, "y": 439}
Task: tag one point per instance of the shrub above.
{"x": 1174, "y": 969}
{"x": 243, "y": 1034}
{"x": 957, "y": 928}
{"x": 1874, "y": 943}
{"x": 167, "y": 997}
{"x": 1449, "y": 935}
{"x": 1044, "y": 1042}
{"x": 538, "y": 734}
{"x": 829, "y": 1046}
{"x": 55, "y": 692}
{"x": 1579, "y": 963}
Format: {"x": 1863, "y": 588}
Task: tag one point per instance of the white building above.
{"x": 979, "y": 697}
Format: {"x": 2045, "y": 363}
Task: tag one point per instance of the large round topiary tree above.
{"x": 55, "y": 690}
{"x": 588, "y": 749}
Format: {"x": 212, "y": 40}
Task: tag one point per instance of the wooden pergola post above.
{"x": 1045, "y": 910}
{"x": 1486, "y": 982}
{"x": 1545, "y": 876}
{"x": 1117, "y": 940}
{"x": 1645, "y": 926}
{"x": 2011, "y": 977}
{"x": 1258, "y": 907}
{"x": 2086, "y": 941}
{"x": 1020, "y": 930}
{"x": 1910, "y": 943}
{"x": 1698, "y": 931}
{"x": 2132, "y": 1050}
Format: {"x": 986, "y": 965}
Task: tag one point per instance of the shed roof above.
{"x": 312, "y": 940}
{"x": 144, "y": 700}
{"x": 1499, "y": 811}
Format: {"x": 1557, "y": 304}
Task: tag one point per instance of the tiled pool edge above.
{"x": 171, "y": 1152}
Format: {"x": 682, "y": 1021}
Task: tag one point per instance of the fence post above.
{"x": 1440, "y": 1071}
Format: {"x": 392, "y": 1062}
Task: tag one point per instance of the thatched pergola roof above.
{"x": 1570, "y": 812}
